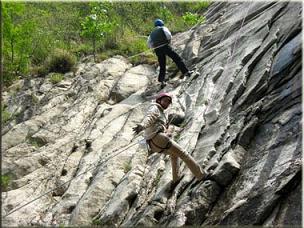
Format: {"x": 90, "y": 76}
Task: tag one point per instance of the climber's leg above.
{"x": 195, "y": 168}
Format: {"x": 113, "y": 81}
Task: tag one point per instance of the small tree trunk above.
{"x": 94, "y": 48}
{"x": 12, "y": 51}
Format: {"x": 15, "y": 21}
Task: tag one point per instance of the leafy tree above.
{"x": 33, "y": 30}
{"x": 17, "y": 39}
{"x": 97, "y": 24}
{"x": 192, "y": 18}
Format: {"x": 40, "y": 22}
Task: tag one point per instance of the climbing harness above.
{"x": 168, "y": 145}
{"x": 119, "y": 151}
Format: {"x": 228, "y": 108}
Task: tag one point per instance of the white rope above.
{"x": 230, "y": 57}
{"x": 115, "y": 154}
{"x": 88, "y": 169}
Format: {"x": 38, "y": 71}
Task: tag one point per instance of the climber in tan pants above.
{"x": 155, "y": 124}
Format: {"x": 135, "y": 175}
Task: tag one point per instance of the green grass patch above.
{"x": 192, "y": 19}
{"x": 157, "y": 178}
{"x": 127, "y": 166}
{"x": 5, "y": 181}
{"x": 96, "y": 222}
{"x": 41, "y": 70}
{"x": 56, "y": 78}
{"x": 6, "y": 115}
{"x": 60, "y": 61}
{"x": 35, "y": 99}
{"x": 36, "y": 142}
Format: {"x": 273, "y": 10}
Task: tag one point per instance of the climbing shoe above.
{"x": 187, "y": 74}
{"x": 162, "y": 85}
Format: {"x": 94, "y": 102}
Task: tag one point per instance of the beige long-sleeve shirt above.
{"x": 155, "y": 120}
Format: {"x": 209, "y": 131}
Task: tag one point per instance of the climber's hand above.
{"x": 138, "y": 128}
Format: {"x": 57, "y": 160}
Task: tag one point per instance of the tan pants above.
{"x": 162, "y": 143}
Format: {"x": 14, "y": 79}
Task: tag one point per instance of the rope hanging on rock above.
{"x": 88, "y": 169}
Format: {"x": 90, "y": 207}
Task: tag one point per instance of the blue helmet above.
{"x": 158, "y": 22}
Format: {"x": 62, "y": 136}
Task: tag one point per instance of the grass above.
{"x": 35, "y": 99}
{"x": 127, "y": 166}
{"x": 157, "y": 178}
{"x": 60, "y": 61}
{"x": 5, "y": 180}
{"x": 56, "y": 78}
{"x": 6, "y": 115}
{"x": 36, "y": 142}
{"x": 96, "y": 222}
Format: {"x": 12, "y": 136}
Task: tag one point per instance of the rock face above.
{"x": 74, "y": 141}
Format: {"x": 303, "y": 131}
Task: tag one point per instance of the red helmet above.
{"x": 161, "y": 95}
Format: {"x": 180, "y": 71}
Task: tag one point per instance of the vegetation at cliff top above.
{"x": 35, "y": 32}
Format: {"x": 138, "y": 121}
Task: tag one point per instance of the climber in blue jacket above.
{"x": 159, "y": 40}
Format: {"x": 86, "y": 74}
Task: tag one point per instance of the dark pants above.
{"x": 161, "y": 55}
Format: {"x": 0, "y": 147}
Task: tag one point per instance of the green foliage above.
{"x": 200, "y": 5}
{"x": 6, "y": 115}
{"x": 17, "y": 41}
{"x": 146, "y": 58}
{"x": 39, "y": 70}
{"x": 107, "y": 54}
{"x": 82, "y": 50}
{"x": 5, "y": 180}
{"x": 127, "y": 166}
{"x": 130, "y": 44}
{"x": 56, "y": 78}
{"x": 193, "y": 18}
{"x": 166, "y": 14}
{"x": 35, "y": 99}
{"x": 32, "y": 30}
{"x": 157, "y": 178}
{"x": 96, "y": 222}
{"x": 61, "y": 61}
{"x": 36, "y": 142}
{"x": 98, "y": 24}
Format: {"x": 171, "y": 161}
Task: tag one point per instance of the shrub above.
{"x": 96, "y": 222}
{"x": 201, "y": 5}
{"x": 177, "y": 25}
{"x": 147, "y": 58}
{"x": 127, "y": 166}
{"x": 56, "y": 78}
{"x": 6, "y": 115}
{"x": 130, "y": 43}
{"x": 61, "y": 61}
{"x": 105, "y": 54}
{"x": 192, "y": 18}
{"x": 157, "y": 178}
{"x": 39, "y": 71}
{"x": 5, "y": 180}
{"x": 82, "y": 49}
{"x": 35, "y": 99}
{"x": 36, "y": 142}
{"x": 9, "y": 75}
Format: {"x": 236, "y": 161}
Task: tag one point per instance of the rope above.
{"x": 129, "y": 146}
{"x": 129, "y": 57}
{"x": 233, "y": 48}
{"x": 88, "y": 169}
{"x": 151, "y": 49}
{"x": 230, "y": 57}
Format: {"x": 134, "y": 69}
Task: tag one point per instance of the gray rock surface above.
{"x": 242, "y": 123}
